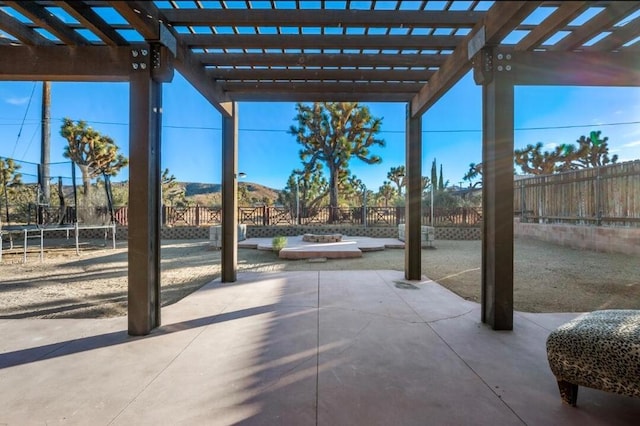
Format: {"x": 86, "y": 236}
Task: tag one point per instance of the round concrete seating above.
{"x": 599, "y": 350}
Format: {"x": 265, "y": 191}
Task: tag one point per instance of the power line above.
{"x": 23, "y": 119}
{"x": 246, "y": 129}
{"x": 31, "y": 162}
{"x": 35, "y": 132}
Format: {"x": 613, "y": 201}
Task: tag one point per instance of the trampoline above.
{"x": 31, "y": 232}
{"x": 60, "y": 213}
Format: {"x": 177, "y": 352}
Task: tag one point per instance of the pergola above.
{"x": 395, "y": 51}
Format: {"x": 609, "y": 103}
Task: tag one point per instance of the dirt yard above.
{"x": 548, "y": 278}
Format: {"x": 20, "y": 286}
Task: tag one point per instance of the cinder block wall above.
{"x": 597, "y": 238}
{"x": 202, "y": 232}
{"x": 458, "y": 233}
{"x": 290, "y": 231}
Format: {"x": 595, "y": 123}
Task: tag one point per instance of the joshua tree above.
{"x": 311, "y": 188}
{"x": 533, "y": 160}
{"x": 95, "y": 154}
{"x": 397, "y": 175}
{"x": 172, "y": 192}
{"x": 593, "y": 151}
{"x": 386, "y": 192}
{"x": 475, "y": 171}
{"x": 333, "y": 134}
{"x": 10, "y": 179}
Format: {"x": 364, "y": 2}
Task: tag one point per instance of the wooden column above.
{"x": 145, "y": 109}
{"x": 230, "y": 196}
{"x": 494, "y": 74}
{"x": 413, "y": 203}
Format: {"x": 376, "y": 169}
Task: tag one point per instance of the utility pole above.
{"x": 45, "y": 149}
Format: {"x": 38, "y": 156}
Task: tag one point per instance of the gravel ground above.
{"x": 548, "y": 278}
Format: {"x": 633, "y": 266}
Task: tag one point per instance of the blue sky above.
{"x": 191, "y": 144}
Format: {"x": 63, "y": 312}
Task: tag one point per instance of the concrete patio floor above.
{"x": 296, "y": 348}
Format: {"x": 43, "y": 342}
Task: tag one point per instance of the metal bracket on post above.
{"x": 140, "y": 58}
{"x": 503, "y": 62}
{"x": 161, "y": 63}
{"x": 154, "y": 58}
{"x": 483, "y": 66}
{"x": 490, "y": 61}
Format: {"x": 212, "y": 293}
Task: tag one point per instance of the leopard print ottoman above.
{"x": 599, "y": 350}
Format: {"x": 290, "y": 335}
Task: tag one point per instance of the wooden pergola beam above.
{"x": 317, "y": 74}
{"x": 321, "y": 59}
{"x": 330, "y": 41}
{"x": 91, "y": 20}
{"x": 68, "y": 63}
{"x": 501, "y": 19}
{"x": 573, "y": 68}
{"x": 48, "y": 21}
{"x": 17, "y": 29}
{"x": 327, "y": 18}
{"x": 145, "y": 18}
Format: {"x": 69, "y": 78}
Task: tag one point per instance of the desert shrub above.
{"x": 278, "y": 243}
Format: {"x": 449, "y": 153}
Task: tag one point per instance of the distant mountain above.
{"x": 209, "y": 193}
{"x": 200, "y": 193}
{"x": 194, "y": 188}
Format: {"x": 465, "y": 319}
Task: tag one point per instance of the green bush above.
{"x": 278, "y": 243}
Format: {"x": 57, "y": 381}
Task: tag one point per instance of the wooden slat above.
{"x": 617, "y": 38}
{"x": 556, "y": 21}
{"x": 501, "y": 19}
{"x": 322, "y": 96}
{"x": 319, "y": 87}
{"x": 320, "y": 59}
{"x": 314, "y": 74}
{"x": 48, "y": 21}
{"x": 615, "y": 11}
{"x": 17, "y": 29}
{"x": 292, "y": 41}
{"x": 317, "y": 18}
{"x": 92, "y": 21}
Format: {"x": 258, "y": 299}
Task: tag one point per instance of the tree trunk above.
{"x": 86, "y": 181}
{"x": 333, "y": 193}
{"x": 45, "y": 150}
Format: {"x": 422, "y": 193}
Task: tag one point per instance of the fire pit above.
{"x": 319, "y": 238}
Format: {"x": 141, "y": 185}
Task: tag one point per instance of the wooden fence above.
{"x": 270, "y": 216}
{"x": 607, "y": 195}
{"x": 257, "y": 216}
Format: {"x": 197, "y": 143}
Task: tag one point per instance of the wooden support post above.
{"x": 413, "y": 214}
{"x": 144, "y": 202}
{"x": 230, "y": 196}
{"x": 497, "y": 189}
